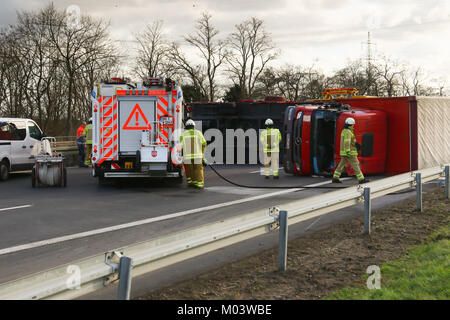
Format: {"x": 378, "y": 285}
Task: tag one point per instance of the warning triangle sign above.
{"x": 136, "y": 120}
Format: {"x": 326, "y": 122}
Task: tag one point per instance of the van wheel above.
{"x": 33, "y": 177}
{"x": 4, "y": 171}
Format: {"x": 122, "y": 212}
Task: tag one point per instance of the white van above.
{"x": 17, "y": 139}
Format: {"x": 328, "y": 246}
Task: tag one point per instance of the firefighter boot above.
{"x": 336, "y": 180}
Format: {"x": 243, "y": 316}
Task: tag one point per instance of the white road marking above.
{"x": 150, "y": 220}
{"x": 18, "y": 207}
{"x": 235, "y": 190}
{"x": 262, "y": 170}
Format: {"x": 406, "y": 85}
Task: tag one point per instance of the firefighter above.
{"x": 81, "y": 143}
{"x": 87, "y": 133}
{"x": 349, "y": 152}
{"x": 193, "y": 147}
{"x": 270, "y": 139}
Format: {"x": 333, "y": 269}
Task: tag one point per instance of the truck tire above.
{"x": 4, "y": 171}
{"x": 137, "y": 166}
{"x": 101, "y": 177}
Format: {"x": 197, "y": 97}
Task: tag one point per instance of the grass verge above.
{"x": 423, "y": 273}
{"x": 407, "y": 244}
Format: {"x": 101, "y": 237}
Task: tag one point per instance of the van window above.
{"x": 18, "y": 130}
{"x": 4, "y": 131}
{"x": 34, "y": 130}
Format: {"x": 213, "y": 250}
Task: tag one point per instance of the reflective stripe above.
{"x": 348, "y": 143}
{"x": 88, "y": 133}
{"x": 270, "y": 138}
{"x": 193, "y": 144}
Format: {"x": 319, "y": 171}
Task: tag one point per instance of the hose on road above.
{"x": 273, "y": 187}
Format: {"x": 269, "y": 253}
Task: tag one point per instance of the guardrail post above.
{"x": 283, "y": 241}
{"x": 447, "y": 181}
{"x": 419, "y": 191}
{"x": 124, "y": 279}
{"x": 367, "y": 210}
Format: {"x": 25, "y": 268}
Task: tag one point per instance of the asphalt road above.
{"x": 29, "y": 215}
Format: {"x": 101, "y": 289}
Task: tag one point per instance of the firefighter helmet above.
{"x": 350, "y": 121}
{"x": 190, "y": 122}
{"x": 269, "y": 122}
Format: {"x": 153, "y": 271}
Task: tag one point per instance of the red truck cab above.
{"x": 314, "y": 142}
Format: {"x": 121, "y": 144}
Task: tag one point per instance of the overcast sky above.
{"x": 324, "y": 32}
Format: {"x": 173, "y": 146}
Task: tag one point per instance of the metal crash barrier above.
{"x": 87, "y": 275}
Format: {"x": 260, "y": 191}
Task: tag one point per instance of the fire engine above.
{"x": 397, "y": 135}
{"x": 136, "y": 129}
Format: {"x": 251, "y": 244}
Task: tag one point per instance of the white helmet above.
{"x": 269, "y": 122}
{"x": 350, "y": 121}
{"x": 190, "y": 122}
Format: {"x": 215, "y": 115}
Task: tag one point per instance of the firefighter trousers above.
{"x": 194, "y": 172}
{"x": 87, "y": 160}
{"x": 354, "y": 163}
{"x": 271, "y": 160}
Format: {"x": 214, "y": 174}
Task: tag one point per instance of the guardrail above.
{"x": 87, "y": 275}
{"x": 66, "y": 144}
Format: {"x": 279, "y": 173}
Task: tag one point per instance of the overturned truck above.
{"x": 397, "y": 135}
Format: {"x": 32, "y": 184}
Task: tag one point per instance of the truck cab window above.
{"x": 367, "y": 145}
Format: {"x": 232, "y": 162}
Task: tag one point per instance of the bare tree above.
{"x": 152, "y": 51}
{"x": 212, "y": 50}
{"x": 252, "y": 50}
{"x": 77, "y": 45}
{"x": 390, "y": 73}
{"x": 48, "y": 67}
{"x": 267, "y": 84}
{"x": 195, "y": 73}
{"x": 351, "y": 76}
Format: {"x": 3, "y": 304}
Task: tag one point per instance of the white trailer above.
{"x": 136, "y": 129}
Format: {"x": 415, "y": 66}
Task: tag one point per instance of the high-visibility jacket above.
{"x": 80, "y": 131}
{"x": 193, "y": 144}
{"x": 348, "y": 143}
{"x": 87, "y": 133}
{"x": 270, "y": 139}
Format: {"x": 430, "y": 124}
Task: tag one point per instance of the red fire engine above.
{"x": 136, "y": 129}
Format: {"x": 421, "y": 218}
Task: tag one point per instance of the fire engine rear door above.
{"x": 135, "y": 114}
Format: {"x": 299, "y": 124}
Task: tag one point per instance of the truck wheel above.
{"x": 33, "y": 177}
{"x": 4, "y": 171}
{"x": 101, "y": 179}
{"x": 138, "y": 161}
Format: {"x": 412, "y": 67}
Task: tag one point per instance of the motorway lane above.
{"x": 84, "y": 206}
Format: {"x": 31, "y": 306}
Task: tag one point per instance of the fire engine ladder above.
{"x": 108, "y": 129}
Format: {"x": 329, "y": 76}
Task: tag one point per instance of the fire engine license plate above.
{"x": 128, "y": 165}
